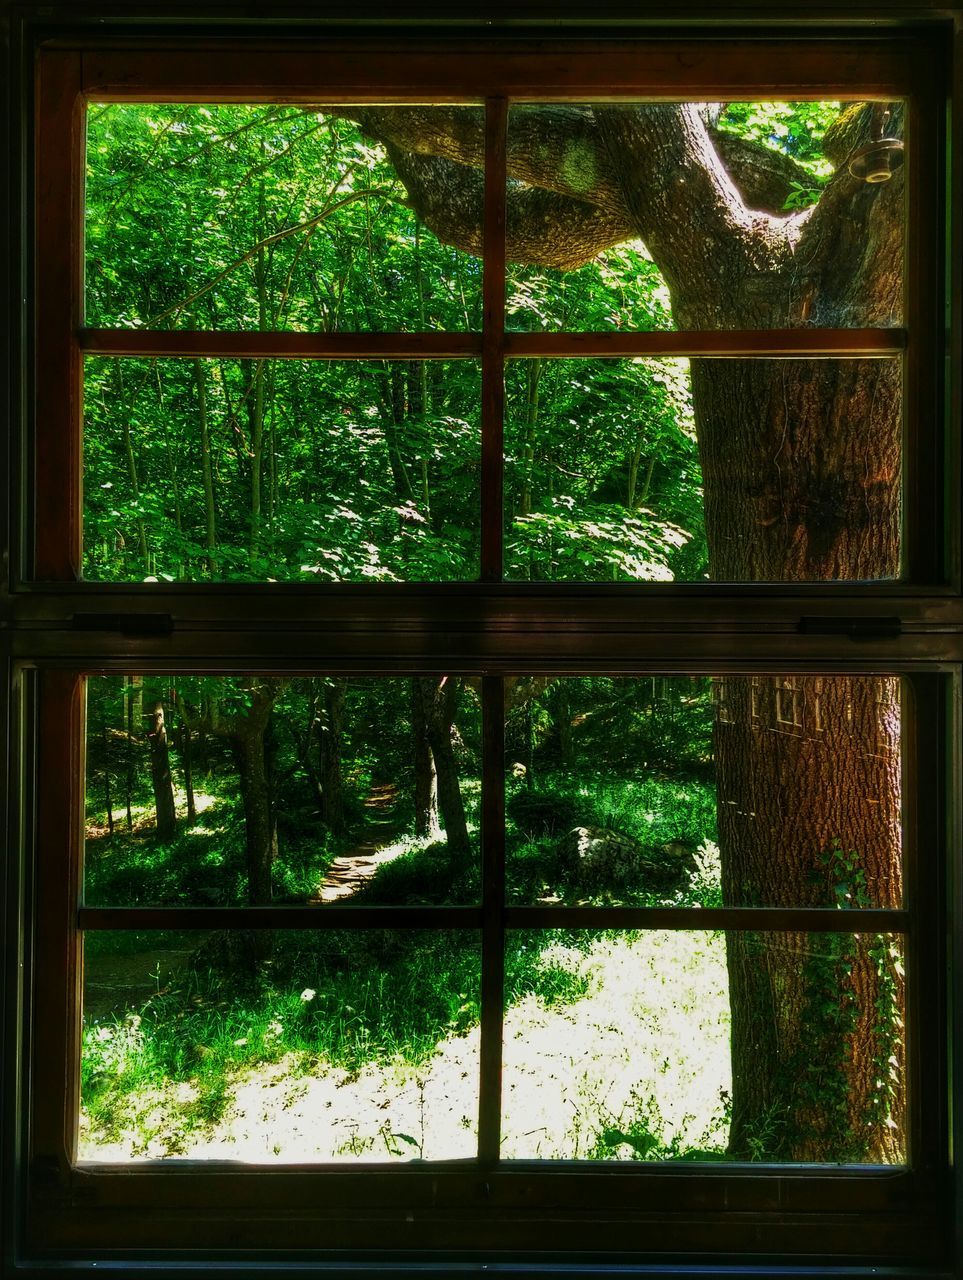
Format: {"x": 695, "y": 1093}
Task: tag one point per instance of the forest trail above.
{"x": 347, "y": 874}
{"x": 115, "y": 982}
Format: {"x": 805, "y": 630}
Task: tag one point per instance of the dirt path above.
{"x": 114, "y": 983}
{"x": 347, "y": 874}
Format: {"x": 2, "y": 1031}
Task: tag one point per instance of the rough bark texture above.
{"x": 248, "y": 752}
{"x": 809, "y": 804}
{"x": 439, "y": 700}
{"x": 160, "y": 774}
{"x": 801, "y": 466}
{"x": 426, "y": 777}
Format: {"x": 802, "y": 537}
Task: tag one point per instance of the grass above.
{"x": 655, "y": 812}
{"x": 167, "y": 1062}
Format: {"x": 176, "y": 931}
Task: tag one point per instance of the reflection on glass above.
{"x": 655, "y": 216}
{"x": 270, "y": 216}
{"x": 286, "y": 1046}
{"x": 234, "y": 790}
{"x": 741, "y": 791}
{"x": 280, "y": 470}
{"x": 696, "y": 1046}
{"x": 653, "y": 470}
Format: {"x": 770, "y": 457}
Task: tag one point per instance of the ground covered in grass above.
{"x": 338, "y": 1044}
{"x": 615, "y": 1047}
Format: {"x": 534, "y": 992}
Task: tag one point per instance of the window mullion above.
{"x": 493, "y": 339}
{"x": 493, "y": 917}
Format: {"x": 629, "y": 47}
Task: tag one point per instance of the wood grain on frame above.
{"x": 449, "y": 72}
{"x": 59, "y": 178}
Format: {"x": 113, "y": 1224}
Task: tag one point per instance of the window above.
{"x": 559, "y": 427}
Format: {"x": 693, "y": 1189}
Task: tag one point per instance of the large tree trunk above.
{"x": 160, "y": 774}
{"x": 439, "y": 699}
{"x": 801, "y": 469}
{"x": 808, "y": 772}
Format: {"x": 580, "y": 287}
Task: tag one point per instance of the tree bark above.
{"x": 247, "y": 733}
{"x": 439, "y": 699}
{"x": 330, "y": 728}
{"x": 426, "y": 778}
{"x": 187, "y": 754}
{"x": 809, "y": 804}
{"x": 260, "y": 837}
{"x": 207, "y": 471}
{"x": 801, "y": 466}
{"x": 160, "y": 773}
{"x": 108, "y": 797}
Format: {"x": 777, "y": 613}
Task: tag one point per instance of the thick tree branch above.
{"x": 543, "y": 228}
{"x": 763, "y": 177}
{"x": 687, "y": 209}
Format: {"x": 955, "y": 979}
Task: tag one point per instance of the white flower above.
{"x": 307, "y": 994}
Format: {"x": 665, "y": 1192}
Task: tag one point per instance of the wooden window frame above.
{"x": 62, "y": 629}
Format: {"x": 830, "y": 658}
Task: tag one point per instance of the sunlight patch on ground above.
{"x": 646, "y": 1051}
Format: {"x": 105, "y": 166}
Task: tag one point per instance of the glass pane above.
{"x": 740, "y": 791}
{"x": 722, "y": 470}
{"x": 704, "y": 1046}
{"x": 280, "y": 1046}
{"x": 700, "y": 216}
{"x": 271, "y": 216}
{"x": 224, "y": 791}
{"x": 280, "y": 470}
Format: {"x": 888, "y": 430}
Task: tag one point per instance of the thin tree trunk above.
{"x": 439, "y": 702}
{"x": 330, "y": 737}
{"x": 134, "y": 482}
{"x": 187, "y": 753}
{"x": 207, "y": 470}
{"x": 426, "y": 778}
{"x": 255, "y": 403}
{"x": 258, "y": 827}
{"x": 133, "y": 705}
{"x": 160, "y": 772}
{"x": 108, "y": 799}
{"x": 562, "y": 712}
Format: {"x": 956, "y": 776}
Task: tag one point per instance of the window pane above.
{"x": 270, "y": 216}
{"x": 721, "y": 470}
{"x": 280, "y": 1046}
{"x": 700, "y": 216}
{"x": 704, "y": 1046}
{"x": 739, "y": 791}
{"x": 277, "y": 470}
{"x": 224, "y": 791}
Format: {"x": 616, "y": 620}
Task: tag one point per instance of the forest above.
{"x": 647, "y": 791}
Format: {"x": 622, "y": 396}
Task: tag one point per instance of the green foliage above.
{"x": 815, "y": 1084}
{"x": 542, "y": 813}
{"x": 795, "y": 128}
{"x": 640, "y": 1127}
{"x": 254, "y": 217}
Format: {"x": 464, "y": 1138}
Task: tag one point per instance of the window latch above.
{"x": 128, "y": 624}
{"x": 868, "y": 628}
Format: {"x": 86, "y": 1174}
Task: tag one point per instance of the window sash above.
{"x": 65, "y": 628}
{"x": 70, "y": 1200}
{"x": 867, "y": 69}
